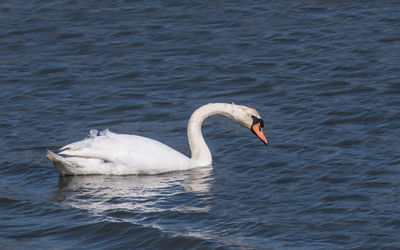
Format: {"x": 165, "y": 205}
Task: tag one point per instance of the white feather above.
{"x": 120, "y": 154}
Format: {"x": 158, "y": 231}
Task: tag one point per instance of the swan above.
{"x": 109, "y": 153}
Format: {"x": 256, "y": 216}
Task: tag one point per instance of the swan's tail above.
{"x": 63, "y": 166}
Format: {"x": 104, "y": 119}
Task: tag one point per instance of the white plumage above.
{"x": 120, "y": 154}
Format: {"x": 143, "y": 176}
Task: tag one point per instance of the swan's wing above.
{"x": 143, "y": 154}
{"x": 108, "y": 146}
{"x": 93, "y": 147}
{"x": 94, "y": 136}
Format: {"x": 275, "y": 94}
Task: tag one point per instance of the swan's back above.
{"x": 118, "y": 154}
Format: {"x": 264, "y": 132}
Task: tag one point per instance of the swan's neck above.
{"x": 201, "y": 155}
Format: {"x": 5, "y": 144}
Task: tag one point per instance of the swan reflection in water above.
{"x": 146, "y": 193}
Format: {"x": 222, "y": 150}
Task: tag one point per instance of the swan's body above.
{"x": 120, "y": 154}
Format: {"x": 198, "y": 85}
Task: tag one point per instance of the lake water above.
{"x": 324, "y": 75}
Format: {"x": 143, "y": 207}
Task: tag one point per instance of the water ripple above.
{"x": 323, "y": 74}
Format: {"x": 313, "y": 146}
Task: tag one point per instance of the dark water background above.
{"x": 325, "y": 76}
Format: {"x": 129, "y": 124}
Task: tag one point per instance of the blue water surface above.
{"x": 324, "y": 75}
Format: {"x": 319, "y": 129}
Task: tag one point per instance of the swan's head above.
{"x": 249, "y": 118}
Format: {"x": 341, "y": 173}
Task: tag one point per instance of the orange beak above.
{"x": 257, "y": 130}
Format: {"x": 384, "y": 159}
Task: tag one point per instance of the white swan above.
{"x": 119, "y": 154}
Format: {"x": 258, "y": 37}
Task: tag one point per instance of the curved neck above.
{"x": 198, "y": 147}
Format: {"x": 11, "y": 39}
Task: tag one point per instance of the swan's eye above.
{"x": 258, "y": 120}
